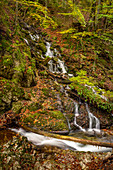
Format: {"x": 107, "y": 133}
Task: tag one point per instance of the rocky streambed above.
{"x": 30, "y": 95}
{"x": 19, "y": 153}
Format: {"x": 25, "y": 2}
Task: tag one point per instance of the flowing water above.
{"x": 53, "y": 67}
{"x": 56, "y": 65}
{"x": 75, "y": 118}
{"x": 40, "y": 140}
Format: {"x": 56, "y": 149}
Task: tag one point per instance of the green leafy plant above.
{"x": 76, "y": 13}
{"x": 87, "y": 88}
{"x": 36, "y": 12}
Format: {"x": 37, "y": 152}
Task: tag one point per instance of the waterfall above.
{"x": 54, "y": 67}
{"x": 58, "y": 66}
{"x": 51, "y": 66}
{"x": 76, "y": 109}
{"x": 75, "y": 118}
{"x": 61, "y": 63}
{"x": 34, "y": 37}
{"x": 49, "y": 52}
{"x": 92, "y": 118}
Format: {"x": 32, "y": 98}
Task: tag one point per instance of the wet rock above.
{"x": 41, "y": 46}
{"x": 17, "y": 106}
{"x": 19, "y": 153}
{"x": 7, "y": 98}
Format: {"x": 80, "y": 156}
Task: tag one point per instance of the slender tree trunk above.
{"x": 46, "y": 7}
{"x": 92, "y": 15}
{"x": 96, "y": 15}
{"x": 16, "y": 19}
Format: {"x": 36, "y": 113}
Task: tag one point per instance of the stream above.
{"x": 40, "y": 141}
{"x": 57, "y": 66}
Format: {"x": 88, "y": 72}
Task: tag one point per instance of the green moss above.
{"x": 42, "y": 47}
{"x": 46, "y": 91}
{"x": 45, "y": 120}
{"x": 43, "y": 73}
{"x": 79, "y": 83}
{"x": 9, "y": 93}
{"x": 35, "y": 106}
{"x": 57, "y": 114}
{"x": 16, "y": 107}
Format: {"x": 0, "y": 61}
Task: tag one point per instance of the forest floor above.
{"x": 39, "y": 103}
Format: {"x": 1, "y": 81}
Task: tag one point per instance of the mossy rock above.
{"x": 28, "y": 80}
{"x": 17, "y": 106}
{"x": 42, "y": 47}
{"x": 35, "y": 106}
{"x": 6, "y": 64}
{"x": 9, "y": 93}
{"x": 45, "y": 120}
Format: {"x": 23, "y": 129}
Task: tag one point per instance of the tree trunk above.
{"x": 92, "y": 15}
{"x": 16, "y": 19}
{"x": 98, "y": 11}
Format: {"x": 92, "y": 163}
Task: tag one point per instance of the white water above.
{"x": 93, "y": 119}
{"x": 54, "y": 67}
{"x": 34, "y": 37}
{"x": 61, "y": 63}
{"x": 26, "y": 41}
{"x": 49, "y": 52}
{"x": 75, "y": 118}
{"x": 94, "y": 91}
{"x": 41, "y": 140}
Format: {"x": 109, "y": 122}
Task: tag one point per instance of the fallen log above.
{"x": 66, "y": 132}
{"x": 83, "y": 141}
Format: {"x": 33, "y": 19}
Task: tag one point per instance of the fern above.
{"x": 76, "y": 13}
{"x": 37, "y": 12}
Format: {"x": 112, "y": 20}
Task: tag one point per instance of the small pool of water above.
{"x": 6, "y": 135}
{"x": 102, "y": 137}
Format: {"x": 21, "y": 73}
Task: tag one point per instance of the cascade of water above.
{"x": 41, "y": 140}
{"x": 94, "y": 91}
{"x": 76, "y": 109}
{"x": 61, "y": 63}
{"x": 34, "y": 37}
{"x": 49, "y": 52}
{"x": 54, "y": 67}
{"x": 26, "y": 41}
{"x": 91, "y": 119}
{"x": 51, "y": 66}
{"x": 75, "y": 118}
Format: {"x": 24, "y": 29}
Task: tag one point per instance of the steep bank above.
{"x": 32, "y": 95}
